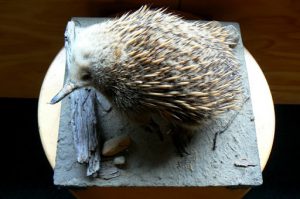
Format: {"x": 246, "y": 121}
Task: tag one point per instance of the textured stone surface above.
{"x": 222, "y": 153}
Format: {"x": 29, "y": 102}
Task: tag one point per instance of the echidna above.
{"x": 153, "y": 62}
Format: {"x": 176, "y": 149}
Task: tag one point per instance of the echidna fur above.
{"x": 151, "y": 61}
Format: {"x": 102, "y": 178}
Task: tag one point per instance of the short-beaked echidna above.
{"x": 151, "y": 61}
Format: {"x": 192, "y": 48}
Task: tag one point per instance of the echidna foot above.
{"x": 181, "y": 140}
{"x": 153, "y": 127}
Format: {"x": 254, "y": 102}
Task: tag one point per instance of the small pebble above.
{"x": 120, "y": 160}
{"x": 115, "y": 145}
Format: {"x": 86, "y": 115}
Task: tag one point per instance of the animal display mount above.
{"x": 99, "y": 146}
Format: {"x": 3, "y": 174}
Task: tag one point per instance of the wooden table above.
{"x": 49, "y": 115}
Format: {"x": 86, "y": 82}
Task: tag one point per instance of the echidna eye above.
{"x": 86, "y": 77}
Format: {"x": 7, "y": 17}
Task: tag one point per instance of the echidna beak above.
{"x": 66, "y": 90}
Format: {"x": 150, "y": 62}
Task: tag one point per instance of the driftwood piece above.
{"x": 84, "y": 116}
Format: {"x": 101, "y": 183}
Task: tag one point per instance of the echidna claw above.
{"x": 181, "y": 142}
{"x": 153, "y": 127}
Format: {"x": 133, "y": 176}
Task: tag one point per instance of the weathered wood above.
{"x": 84, "y": 116}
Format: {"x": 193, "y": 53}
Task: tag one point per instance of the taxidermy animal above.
{"x": 151, "y": 63}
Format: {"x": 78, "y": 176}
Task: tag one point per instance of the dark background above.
{"x": 26, "y": 173}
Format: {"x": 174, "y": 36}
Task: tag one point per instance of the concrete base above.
{"x": 217, "y": 158}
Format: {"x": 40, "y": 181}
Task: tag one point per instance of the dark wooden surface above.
{"x": 31, "y": 34}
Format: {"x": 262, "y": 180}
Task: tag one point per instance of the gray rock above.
{"x": 120, "y": 160}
